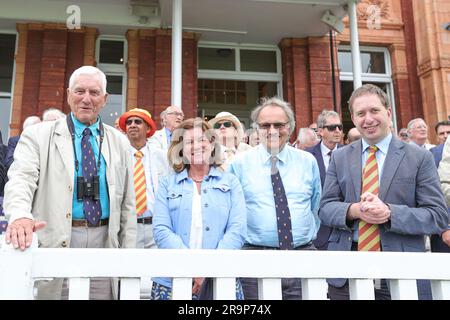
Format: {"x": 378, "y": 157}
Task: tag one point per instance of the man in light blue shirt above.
{"x": 300, "y": 177}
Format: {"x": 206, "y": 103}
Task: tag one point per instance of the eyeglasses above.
{"x": 333, "y": 127}
{"x": 276, "y": 125}
{"x": 177, "y": 114}
{"x": 404, "y": 135}
{"x": 226, "y": 124}
{"x": 130, "y": 121}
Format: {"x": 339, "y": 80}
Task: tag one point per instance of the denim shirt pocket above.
{"x": 174, "y": 199}
{"x": 222, "y": 195}
{"x": 222, "y": 187}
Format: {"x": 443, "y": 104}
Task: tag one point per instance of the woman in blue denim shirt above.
{"x": 200, "y": 207}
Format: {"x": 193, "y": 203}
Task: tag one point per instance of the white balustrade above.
{"x": 19, "y": 269}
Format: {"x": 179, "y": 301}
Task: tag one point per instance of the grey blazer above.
{"x": 409, "y": 185}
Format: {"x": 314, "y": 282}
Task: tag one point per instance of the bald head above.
{"x": 353, "y": 135}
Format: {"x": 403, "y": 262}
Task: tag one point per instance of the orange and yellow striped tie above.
{"x": 139, "y": 184}
{"x": 369, "y": 234}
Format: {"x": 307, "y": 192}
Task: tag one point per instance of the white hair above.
{"x": 277, "y": 102}
{"x": 29, "y": 121}
{"x": 88, "y": 70}
{"x": 306, "y": 133}
{"x": 412, "y": 123}
{"x": 51, "y": 114}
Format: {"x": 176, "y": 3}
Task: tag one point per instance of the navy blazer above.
{"x": 12, "y": 143}
{"x": 3, "y": 150}
{"x": 437, "y": 153}
{"x": 409, "y": 185}
{"x": 321, "y": 241}
{"x": 436, "y": 243}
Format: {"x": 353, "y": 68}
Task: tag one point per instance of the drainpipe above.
{"x": 356, "y": 56}
{"x": 177, "y": 38}
{"x": 333, "y": 73}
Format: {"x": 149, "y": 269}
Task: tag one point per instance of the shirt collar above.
{"x": 168, "y": 132}
{"x": 382, "y": 145}
{"x": 325, "y": 149}
{"x": 79, "y": 127}
{"x": 282, "y": 156}
{"x": 143, "y": 150}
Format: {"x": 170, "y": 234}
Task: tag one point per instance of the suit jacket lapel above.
{"x": 164, "y": 139}
{"x": 106, "y": 150}
{"x": 393, "y": 158}
{"x": 318, "y": 154}
{"x": 355, "y": 167}
{"x": 63, "y": 142}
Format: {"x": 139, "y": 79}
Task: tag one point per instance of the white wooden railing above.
{"x": 18, "y": 270}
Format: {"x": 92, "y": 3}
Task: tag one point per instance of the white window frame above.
{"x": 10, "y": 95}
{"x": 385, "y": 78}
{"x": 237, "y": 74}
{"x": 111, "y": 69}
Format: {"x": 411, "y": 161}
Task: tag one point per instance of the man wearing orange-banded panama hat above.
{"x": 149, "y": 164}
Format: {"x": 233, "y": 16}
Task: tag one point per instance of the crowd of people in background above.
{"x": 197, "y": 184}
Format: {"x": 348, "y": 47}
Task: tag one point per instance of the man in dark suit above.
{"x": 442, "y": 132}
{"x": 441, "y": 242}
{"x": 12, "y": 142}
{"x": 330, "y": 129}
{"x": 402, "y": 199}
{"x": 3, "y": 150}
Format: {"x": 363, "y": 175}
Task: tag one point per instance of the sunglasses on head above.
{"x": 333, "y": 127}
{"x": 226, "y": 124}
{"x": 130, "y": 121}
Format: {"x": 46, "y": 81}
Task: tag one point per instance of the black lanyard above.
{"x": 71, "y": 127}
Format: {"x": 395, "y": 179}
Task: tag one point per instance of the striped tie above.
{"x": 139, "y": 184}
{"x": 369, "y": 234}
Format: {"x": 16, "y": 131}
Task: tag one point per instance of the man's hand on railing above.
{"x": 446, "y": 237}
{"x": 197, "y": 285}
{"x": 20, "y": 232}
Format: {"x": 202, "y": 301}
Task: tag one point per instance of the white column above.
{"x": 356, "y": 57}
{"x": 177, "y": 38}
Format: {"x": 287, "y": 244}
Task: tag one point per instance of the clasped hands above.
{"x": 371, "y": 209}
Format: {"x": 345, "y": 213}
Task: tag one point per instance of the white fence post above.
{"x": 79, "y": 288}
{"x": 130, "y": 288}
{"x": 403, "y": 289}
{"x": 314, "y": 289}
{"x": 440, "y": 289}
{"x": 182, "y": 289}
{"x": 224, "y": 289}
{"x": 16, "y": 282}
{"x": 269, "y": 289}
{"x": 361, "y": 289}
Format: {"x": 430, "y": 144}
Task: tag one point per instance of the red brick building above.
{"x": 233, "y": 53}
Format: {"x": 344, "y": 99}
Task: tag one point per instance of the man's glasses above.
{"x": 130, "y": 121}
{"x": 177, "y": 114}
{"x": 226, "y": 124}
{"x": 404, "y": 135}
{"x": 276, "y": 125}
{"x": 332, "y": 127}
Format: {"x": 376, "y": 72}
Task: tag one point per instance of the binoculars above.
{"x": 88, "y": 189}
